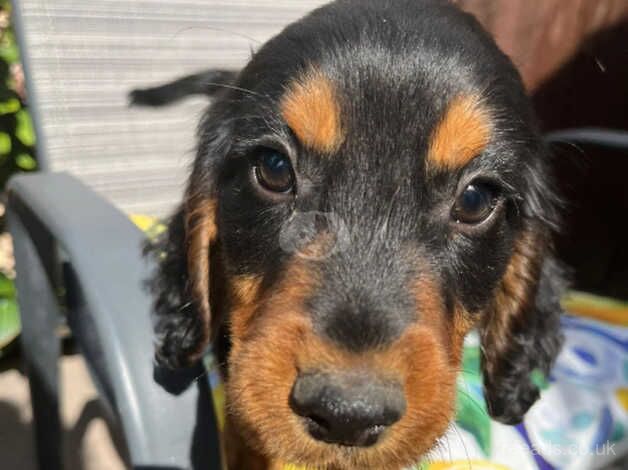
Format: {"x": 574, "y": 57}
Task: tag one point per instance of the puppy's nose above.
{"x": 350, "y": 409}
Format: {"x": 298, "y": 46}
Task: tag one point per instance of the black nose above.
{"x": 349, "y": 409}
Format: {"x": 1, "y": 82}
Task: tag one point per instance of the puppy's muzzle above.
{"x": 350, "y": 409}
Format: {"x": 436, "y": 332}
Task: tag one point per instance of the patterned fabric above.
{"x": 579, "y": 423}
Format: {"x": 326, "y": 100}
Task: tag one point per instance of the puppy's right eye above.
{"x": 273, "y": 171}
{"x": 475, "y": 204}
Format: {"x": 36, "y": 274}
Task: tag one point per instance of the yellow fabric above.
{"x": 465, "y": 465}
{"x": 622, "y": 397}
{"x": 596, "y": 307}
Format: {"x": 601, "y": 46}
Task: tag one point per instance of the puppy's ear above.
{"x": 181, "y": 285}
{"x": 520, "y": 332}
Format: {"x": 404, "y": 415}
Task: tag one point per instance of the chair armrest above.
{"x": 110, "y": 316}
{"x": 612, "y": 138}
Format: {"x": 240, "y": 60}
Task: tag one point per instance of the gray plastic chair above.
{"x": 78, "y": 257}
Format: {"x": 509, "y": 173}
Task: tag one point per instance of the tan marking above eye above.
{"x": 311, "y": 109}
{"x": 461, "y": 135}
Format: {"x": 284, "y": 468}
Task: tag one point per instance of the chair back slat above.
{"x": 83, "y": 56}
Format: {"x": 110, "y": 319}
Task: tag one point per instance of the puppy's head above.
{"x": 370, "y": 189}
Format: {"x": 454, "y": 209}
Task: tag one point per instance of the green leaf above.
{"x": 10, "y": 53}
{"x": 9, "y": 321}
{"x": 5, "y": 143}
{"x": 11, "y": 106}
{"x": 7, "y": 287}
{"x": 25, "y": 162}
{"x": 24, "y": 130}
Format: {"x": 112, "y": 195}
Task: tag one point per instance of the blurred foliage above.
{"x": 17, "y": 151}
{"x": 9, "y": 315}
{"x": 17, "y": 138}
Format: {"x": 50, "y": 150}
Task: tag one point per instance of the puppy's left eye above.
{"x": 273, "y": 171}
{"x": 474, "y": 204}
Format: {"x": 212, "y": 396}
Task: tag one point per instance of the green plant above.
{"x": 9, "y": 315}
{"x": 17, "y": 153}
{"x": 17, "y": 138}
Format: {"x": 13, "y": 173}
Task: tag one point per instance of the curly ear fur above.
{"x": 181, "y": 285}
{"x": 175, "y": 316}
{"x": 520, "y": 332}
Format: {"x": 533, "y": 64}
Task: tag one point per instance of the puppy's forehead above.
{"x": 311, "y": 106}
{"x": 420, "y": 85}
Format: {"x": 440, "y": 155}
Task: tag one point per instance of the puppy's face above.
{"x": 371, "y": 188}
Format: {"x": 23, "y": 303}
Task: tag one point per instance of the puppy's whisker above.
{"x": 385, "y": 225}
{"x": 237, "y": 88}
{"x": 216, "y": 29}
{"x": 474, "y": 402}
{"x": 184, "y": 306}
{"x": 454, "y": 426}
{"x": 199, "y": 376}
{"x": 572, "y": 144}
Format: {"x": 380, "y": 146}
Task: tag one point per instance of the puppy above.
{"x": 369, "y": 188}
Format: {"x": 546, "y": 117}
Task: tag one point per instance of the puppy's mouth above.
{"x": 298, "y": 399}
{"x": 353, "y": 410}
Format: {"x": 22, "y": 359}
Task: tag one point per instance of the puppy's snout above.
{"x": 350, "y": 409}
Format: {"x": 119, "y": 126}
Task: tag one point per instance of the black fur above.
{"x": 177, "y": 334}
{"x": 533, "y": 345}
{"x": 396, "y": 64}
{"x": 206, "y": 83}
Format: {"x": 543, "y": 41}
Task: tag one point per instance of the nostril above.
{"x": 317, "y": 427}
{"x": 392, "y": 415}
